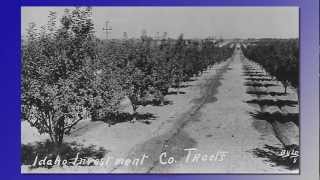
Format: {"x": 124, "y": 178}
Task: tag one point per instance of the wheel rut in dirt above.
{"x": 176, "y": 140}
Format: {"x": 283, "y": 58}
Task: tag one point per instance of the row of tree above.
{"x": 279, "y": 57}
{"x": 69, "y": 75}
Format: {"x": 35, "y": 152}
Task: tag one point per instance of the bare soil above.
{"x": 211, "y": 115}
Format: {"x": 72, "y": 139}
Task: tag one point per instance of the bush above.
{"x": 280, "y": 58}
{"x": 69, "y": 75}
{"x": 66, "y": 151}
{"x": 55, "y": 73}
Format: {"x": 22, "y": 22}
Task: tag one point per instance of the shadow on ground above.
{"x": 270, "y": 102}
{"x": 276, "y": 116}
{"x": 181, "y": 86}
{"x": 273, "y": 155}
{"x": 155, "y": 102}
{"x": 116, "y": 118}
{"x": 278, "y": 156}
{"x": 254, "y": 75}
{"x": 264, "y": 93}
{"x": 66, "y": 151}
{"x": 175, "y": 92}
{"x": 258, "y": 79}
{"x": 255, "y": 84}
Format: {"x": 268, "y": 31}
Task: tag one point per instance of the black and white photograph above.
{"x": 160, "y": 90}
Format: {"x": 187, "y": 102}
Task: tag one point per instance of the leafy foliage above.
{"x": 69, "y": 75}
{"x": 56, "y": 79}
{"x": 279, "y": 57}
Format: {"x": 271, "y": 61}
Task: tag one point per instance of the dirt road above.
{"x": 208, "y": 128}
{"x": 215, "y": 135}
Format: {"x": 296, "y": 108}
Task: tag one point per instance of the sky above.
{"x": 193, "y": 22}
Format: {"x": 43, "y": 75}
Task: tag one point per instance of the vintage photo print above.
{"x": 157, "y": 90}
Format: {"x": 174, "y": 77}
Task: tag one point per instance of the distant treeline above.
{"x": 67, "y": 71}
{"x": 280, "y": 58}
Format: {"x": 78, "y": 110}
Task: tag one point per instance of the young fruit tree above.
{"x": 280, "y": 58}
{"x": 54, "y": 80}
